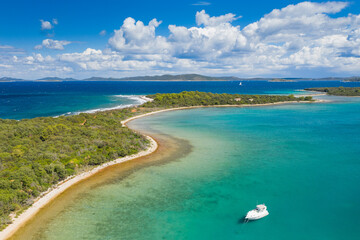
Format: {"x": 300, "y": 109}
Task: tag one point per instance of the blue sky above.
{"x": 241, "y": 38}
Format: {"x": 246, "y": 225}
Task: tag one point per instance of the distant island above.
{"x": 167, "y": 77}
{"x": 9, "y": 79}
{"x": 281, "y": 80}
{"x": 352, "y": 79}
{"x": 183, "y": 77}
{"x": 56, "y": 79}
{"x": 338, "y": 91}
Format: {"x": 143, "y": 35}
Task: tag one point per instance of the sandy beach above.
{"x": 62, "y": 186}
{"x": 59, "y": 188}
{"x": 215, "y": 106}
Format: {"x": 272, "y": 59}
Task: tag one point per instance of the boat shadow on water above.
{"x": 243, "y": 220}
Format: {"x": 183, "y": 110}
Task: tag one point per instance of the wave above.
{"x": 138, "y": 98}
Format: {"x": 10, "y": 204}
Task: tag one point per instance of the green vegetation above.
{"x": 338, "y": 91}
{"x": 37, "y": 153}
{"x": 187, "y": 99}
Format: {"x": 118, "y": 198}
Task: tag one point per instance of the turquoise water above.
{"x": 301, "y": 160}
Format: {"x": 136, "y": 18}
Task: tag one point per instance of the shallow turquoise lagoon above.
{"x": 301, "y": 160}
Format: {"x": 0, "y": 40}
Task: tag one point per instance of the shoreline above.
{"x": 124, "y": 122}
{"x": 46, "y": 197}
{"x": 143, "y": 99}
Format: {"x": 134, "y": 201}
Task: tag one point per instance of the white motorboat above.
{"x": 259, "y": 212}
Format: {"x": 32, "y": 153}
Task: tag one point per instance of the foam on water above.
{"x": 137, "y": 100}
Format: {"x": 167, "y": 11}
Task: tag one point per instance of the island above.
{"x": 166, "y": 77}
{"x": 338, "y": 91}
{"x": 281, "y": 80}
{"x": 352, "y": 79}
{"x": 179, "y": 77}
{"x": 38, "y": 156}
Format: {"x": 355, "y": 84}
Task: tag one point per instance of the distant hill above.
{"x": 167, "y": 77}
{"x": 101, "y": 79}
{"x": 345, "y": 79}
{"x": 186, "y": 77}
{"x": 281, "y": 80}
{"x": 57, "y": 79}
{"x": 352, "y": 79}
{"x": 9, "y": 79}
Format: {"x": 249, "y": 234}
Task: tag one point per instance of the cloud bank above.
{"x": 305, "y": 38}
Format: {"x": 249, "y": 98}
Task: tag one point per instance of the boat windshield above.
{"x": 260, "y": 208}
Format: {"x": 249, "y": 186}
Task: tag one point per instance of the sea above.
{"x": 301, "y": 160}
{"x": 31, "y": 99}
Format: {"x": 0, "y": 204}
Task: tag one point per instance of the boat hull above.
{"x": 251, "y": 216}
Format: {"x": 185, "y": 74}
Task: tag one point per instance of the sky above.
{"x": 112, "y": 38}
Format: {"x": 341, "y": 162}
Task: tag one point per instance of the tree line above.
{"x": 338, "y": 91}
{"x": 187, "y": 99}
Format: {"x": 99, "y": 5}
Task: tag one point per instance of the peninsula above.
{"x": 42, "y": 153}
{"x": 338, "y": 91}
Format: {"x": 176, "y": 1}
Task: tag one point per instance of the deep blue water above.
{"x": 33, "y": 99}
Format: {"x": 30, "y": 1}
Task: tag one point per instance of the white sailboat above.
{"x": 259, "y": 212}
{"x": 240, "y": 83}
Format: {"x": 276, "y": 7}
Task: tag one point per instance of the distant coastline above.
{"x": 281, "y": 80}
{"x": 182, "y": 77}
{"x": 338, "y": 91}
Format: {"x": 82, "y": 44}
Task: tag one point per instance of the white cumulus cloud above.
{"x": 206, "y": 20}
{"x": 138, "y": 38}
{"x": 298, "y": 39}
{"x": 52, "y": 44}
{"x": 218, "y": 37}
{"x": 46, "y": 25}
